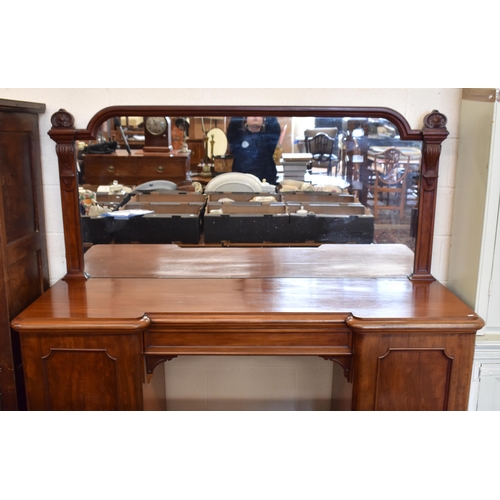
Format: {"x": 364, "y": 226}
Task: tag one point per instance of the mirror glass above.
{"x": 307, "y": 181}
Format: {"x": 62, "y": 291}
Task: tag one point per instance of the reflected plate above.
{"x": 234, "y": 182}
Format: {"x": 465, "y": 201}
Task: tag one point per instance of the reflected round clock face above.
{"x": 156, "y": 125}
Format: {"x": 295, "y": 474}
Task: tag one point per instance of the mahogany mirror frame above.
{"x": 432, "y": 134}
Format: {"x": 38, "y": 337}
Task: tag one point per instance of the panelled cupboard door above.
{"x": 23, "y": 255}
{"x": 86, "y": 371}
{"x": 397, "y": 371}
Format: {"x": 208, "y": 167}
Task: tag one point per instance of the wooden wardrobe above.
{"x": 23, "y": 254}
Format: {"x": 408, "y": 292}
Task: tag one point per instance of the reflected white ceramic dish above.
{"x": 234, "y": 182}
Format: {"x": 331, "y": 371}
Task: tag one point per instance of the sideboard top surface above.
{"x": 173, "y": 261}
{"x": 254, "y": 293}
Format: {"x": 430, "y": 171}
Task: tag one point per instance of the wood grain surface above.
{"x": 403, "y": 344}
{"x": 172, "y": 261}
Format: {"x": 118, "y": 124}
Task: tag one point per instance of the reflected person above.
{"x": 252, "y": 142}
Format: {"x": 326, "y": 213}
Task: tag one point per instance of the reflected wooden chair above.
{"x": 388, "y": 181}
{"x": 331, "y": 131}
{"x": 321, "y": 146}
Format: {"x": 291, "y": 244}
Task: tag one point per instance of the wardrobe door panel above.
{"x": 23, "y": 254}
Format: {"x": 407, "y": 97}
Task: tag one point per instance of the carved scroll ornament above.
{"x": 435, "y": 119}
{"x": 62, "y": 119}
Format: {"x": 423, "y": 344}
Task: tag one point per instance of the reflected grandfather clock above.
{"x": 157, "y": 135}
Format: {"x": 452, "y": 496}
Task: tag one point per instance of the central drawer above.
{"x": 245, "y": 338}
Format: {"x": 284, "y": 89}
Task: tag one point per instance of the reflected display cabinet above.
{"x": 403, "y": 341}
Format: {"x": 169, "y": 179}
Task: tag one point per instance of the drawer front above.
{"x": 161, "y": 340}
{"x": 106, "y": 170}
{"x": 133, "y": 170}
{"x": 169, "y": 168}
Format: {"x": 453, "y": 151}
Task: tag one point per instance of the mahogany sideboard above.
{"x": 402, "y": 344}
{"x": 403, "y": 340}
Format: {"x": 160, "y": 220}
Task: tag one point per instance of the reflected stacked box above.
{"x": 329, "y": 218}
{"x": 237, "y": 218}
{"x": 176, "y": 217}
{"x": 292, "y": 217}
{"x": 295, "y": 165}
{"x": 245, "y": 218}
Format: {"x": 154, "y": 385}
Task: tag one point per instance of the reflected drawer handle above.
{"x": 111, "y": 168}
{"x": 160, "y": 169}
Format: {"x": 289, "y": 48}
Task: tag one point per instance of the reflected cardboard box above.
{"x": 170, "y": 223}
{"x": 246, "y": 222}
{"x": 331, "y": 223}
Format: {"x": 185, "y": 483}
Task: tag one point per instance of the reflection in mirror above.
{"x": 216, "y": 144}
{"x": 331, "y": 180}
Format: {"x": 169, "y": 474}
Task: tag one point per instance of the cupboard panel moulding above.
{"x": 420, "y": 377}
{"x": 99, "y": 378}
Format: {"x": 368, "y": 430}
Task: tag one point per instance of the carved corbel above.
{"x": 63, "y": 134}
{"x": 435, "y": 133}
{"x": 430, "y": 176}
{"x": 344, "y": 362}
{"x": 152, "y": 362}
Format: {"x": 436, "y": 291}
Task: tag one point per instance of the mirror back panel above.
{"x": 269, "y": 176}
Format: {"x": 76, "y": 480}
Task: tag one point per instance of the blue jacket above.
{"x": 253, "y": 152}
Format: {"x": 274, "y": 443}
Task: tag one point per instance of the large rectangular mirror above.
{"x": 307, "y": 161}
{"x": 252, "y": 176}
